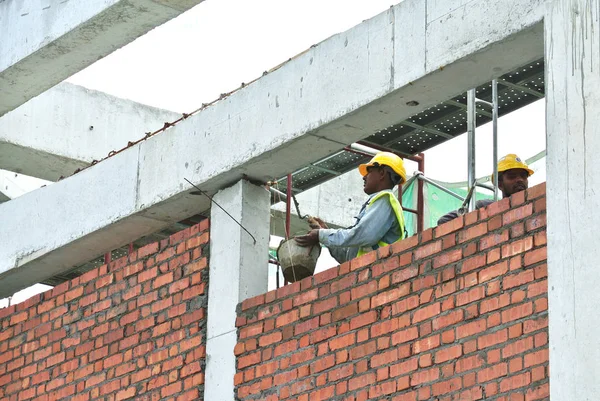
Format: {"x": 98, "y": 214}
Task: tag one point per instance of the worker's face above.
{"x": 513, "y": 181}
{"x": 373, "y": 179}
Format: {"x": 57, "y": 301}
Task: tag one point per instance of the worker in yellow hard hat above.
{"x": 380, "y": 221}
{"x": 513, "y": 177}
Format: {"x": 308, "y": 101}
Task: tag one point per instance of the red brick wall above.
{"x": 134, "y": 328}
{"x": 456, "y": 313}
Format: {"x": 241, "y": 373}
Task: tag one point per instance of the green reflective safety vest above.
{"x": 399, "y": 217}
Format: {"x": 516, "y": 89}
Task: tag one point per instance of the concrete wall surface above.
{"x": 573, "y": 143}
{"x": 459, "y": 312}
{"x": 69, "y": 126}
{"x": 45, "y": 42}
{"x": 342, "y": 90}
{"x": 135, "y": 329}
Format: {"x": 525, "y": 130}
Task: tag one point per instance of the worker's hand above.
{"x": 310, "y": 239}
{"x": 316, "y": 223}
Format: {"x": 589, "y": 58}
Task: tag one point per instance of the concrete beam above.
{"x": 45, "y": 42}
{"x": 68, "y": 126}
{"x": 334, "y": 94}
{"x": 573, "y": 140}
{"x": 13, "y": 185}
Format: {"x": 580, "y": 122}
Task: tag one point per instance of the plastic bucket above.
{"x": 297, "y": 262}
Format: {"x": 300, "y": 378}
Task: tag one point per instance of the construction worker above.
{"x": 380, "y": 221}
{"x": 513, "y": 176}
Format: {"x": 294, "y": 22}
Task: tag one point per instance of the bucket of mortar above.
{"x": 297, "y": 262}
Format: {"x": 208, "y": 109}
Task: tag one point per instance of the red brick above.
{"x": 517, "y": 347}
{"x": 536, "y": 358}
{"x": 448, "y": 319}
{"x": 514, "y": 382}
{"x": 405, "y": 244}
{"x": 517, "y": 312}
{"x": 538, "y": 393}
{"x": 447, "y": 386}
{"x": 517, "y": 214}
{"x": 469, "y": 329}
{"x": 345, "y": 312}
{"x": 384, "y": 358}
{"x": 491, "y": 373}
{"x": 321, "y": 364}
{"x": 451, "y": 226}
{"x": 493, "y": 240}
{"x": 493, "y": 272}
{"x": 535, "y": 324}
{"x": 517, "y": 247}
{"x": 389, "y": 296}
{"x": 342, "y": 342}
{"x": 382, "y": 389}
{"x": 361, "y": 381}
{"x": 536, "y": 191}
{"x": 447, "y": 258}
{"x": 472, "y": 295}
{"x": 447, "y": 354}
{"x": 287, "y": 318}
{"x": 492, "y": 304}
{"x": 363, "y": 261}
{"x": 426, "y": 312}
{"x": 491, "y": 339}
{"x": 535, "y": 256}
{"x": 426, "y": 344}
{"x": 469, "y": 363}
{"x": 472, "y": 232}
{"x": 427, "y": 250}
{"x": 248, "y": 360}
{"x": 404, "y": 274}
{"x": 517, "y": 280}
{"x": 363, "y": 320}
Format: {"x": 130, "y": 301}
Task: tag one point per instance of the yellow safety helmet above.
{"x": 511, "y": 161}
{"x": 385, "y": 159}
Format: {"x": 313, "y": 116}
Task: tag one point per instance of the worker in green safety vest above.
{"x": 380, "y": 221}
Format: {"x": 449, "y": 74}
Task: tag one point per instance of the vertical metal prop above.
{"x": 107, "y": 258}
{"x": 130, "y": 248}
{"x": 495, "y": 135}
{"x": 420, "y": 195}
{"x": 471, "y": 116}
{"x": 288, "y": 206}
{"x": 288, "y": 209}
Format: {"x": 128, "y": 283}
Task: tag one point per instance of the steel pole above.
{"x": 495, "y": 135}
{"x": 288, "y": 206}
{"x": 420, "y": 195}
{"x": 471, "y": 120}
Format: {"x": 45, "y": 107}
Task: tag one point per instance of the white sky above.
{"x": 219, "y": 44}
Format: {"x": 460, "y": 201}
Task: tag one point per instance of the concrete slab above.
{"x": 573, "y": 143}
{"x": 45, "y": 42}
{"x": 336, "y": 93}
{"x": 69, "y": 126}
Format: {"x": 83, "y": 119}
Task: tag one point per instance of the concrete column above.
{"x": 238, "y": 270}
{"x": 573, "y": 143}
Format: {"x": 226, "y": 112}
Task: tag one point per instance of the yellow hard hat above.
{"x": 511, "y": 161}
{"x": 385, "y": 159}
